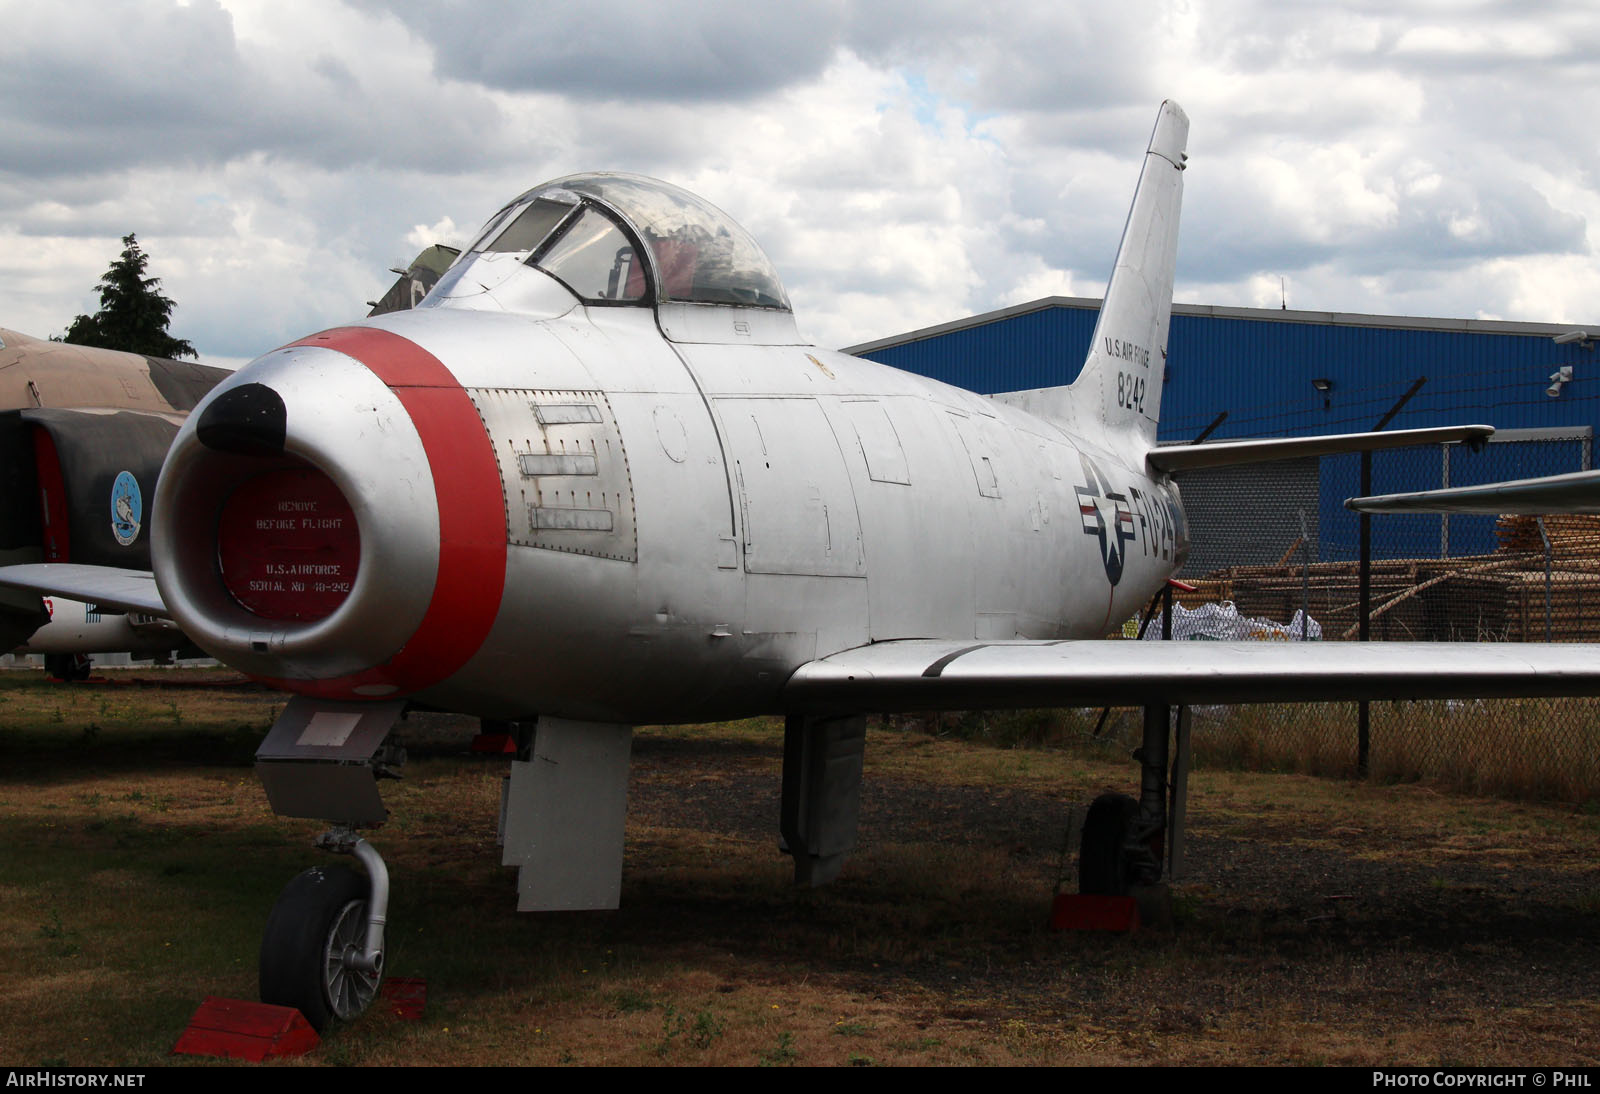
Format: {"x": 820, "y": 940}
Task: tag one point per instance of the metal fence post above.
{"x": 1364, "y": 708}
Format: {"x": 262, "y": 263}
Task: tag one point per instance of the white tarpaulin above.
{"x": 1223, "y": 623}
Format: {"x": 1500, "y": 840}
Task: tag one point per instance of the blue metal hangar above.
{"x": 1285, "y": 373}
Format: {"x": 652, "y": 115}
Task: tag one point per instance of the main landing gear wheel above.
{"x": 69, "y": 668}
{"x": 318, "y": 924}
{"x": 1103, "y": 866}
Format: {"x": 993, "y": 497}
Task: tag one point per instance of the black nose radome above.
{"x": 248, "y": 420}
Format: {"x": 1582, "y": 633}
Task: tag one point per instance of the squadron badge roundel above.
{"x": 127, "y": 508}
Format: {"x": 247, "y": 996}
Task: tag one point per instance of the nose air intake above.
{"x": 331, "y": 519}
{"x": 270, "y": 508}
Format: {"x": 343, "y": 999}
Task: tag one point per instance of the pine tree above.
{"x": 133, "y": 314}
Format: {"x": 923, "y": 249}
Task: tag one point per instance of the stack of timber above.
{"x": 1496, "y": 597}
{"x": 1571, "y": 535}
{"x": 1510, "y": 605}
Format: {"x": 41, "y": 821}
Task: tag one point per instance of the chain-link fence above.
{"x": 1276, "y": 539}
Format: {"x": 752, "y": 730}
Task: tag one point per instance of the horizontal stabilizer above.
{"x": 943, "y": 675}
{"x": 103, "y": 586}
{"x": 1192, "y": 457}
{"x": 1578, "y": 492}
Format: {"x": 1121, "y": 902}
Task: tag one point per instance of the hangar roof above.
{"x": 1217, "y": 311}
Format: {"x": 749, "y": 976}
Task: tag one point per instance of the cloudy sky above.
{"x": 904, "y": 162}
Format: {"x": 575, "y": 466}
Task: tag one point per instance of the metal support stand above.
{"x": 1305, "y": 575}
{"x": 1364, "y": 715}
{"x": 1547, "y": 555}
{"x": 1364, "y": 708}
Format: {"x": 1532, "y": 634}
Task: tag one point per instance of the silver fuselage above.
{"x": 692, "y": 505}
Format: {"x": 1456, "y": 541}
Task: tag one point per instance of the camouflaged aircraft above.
{"x": 82, "y": 437}
{"x": 85, "y": 436}
{"x": 595, "y": 478}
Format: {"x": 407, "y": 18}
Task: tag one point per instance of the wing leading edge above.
{"x": 1576, "y": 492}
{"x": 933, "y": 675}
{"x": 1193, "y": 457}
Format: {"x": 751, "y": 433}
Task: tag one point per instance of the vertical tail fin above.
{"x": 1117, "y": 396}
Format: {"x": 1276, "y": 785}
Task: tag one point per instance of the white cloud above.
{"x": 444, "y": 230}
{"x": 903, "y": 163}
{"x": 1035, "y": 280}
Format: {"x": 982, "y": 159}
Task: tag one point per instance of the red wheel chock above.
{"x": 405, "y": 996}
{"x": 1094, "y": 912}
{"x": 240, "y": 1030}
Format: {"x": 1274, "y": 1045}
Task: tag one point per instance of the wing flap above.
{"x": 931, "y": 675}
{"x": 106, "y": 586}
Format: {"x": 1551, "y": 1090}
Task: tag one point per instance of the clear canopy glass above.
{"x": 695, "y": 252}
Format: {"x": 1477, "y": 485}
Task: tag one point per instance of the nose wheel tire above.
{"x": 319, "y": 921}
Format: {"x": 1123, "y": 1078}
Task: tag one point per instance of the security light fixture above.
{"x": 1558, "y": 379}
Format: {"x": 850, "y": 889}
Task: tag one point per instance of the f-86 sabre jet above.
{"x": 595, "y": 479}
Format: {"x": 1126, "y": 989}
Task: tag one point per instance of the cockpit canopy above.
{"x": 625, "y": 239}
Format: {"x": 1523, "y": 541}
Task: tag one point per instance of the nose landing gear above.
{"x": 322, "y": 952}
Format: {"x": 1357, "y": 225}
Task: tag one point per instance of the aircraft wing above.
{"x": 1577, "y": 492}
{"x": 105, "y": 586}
{"x": 1191, "y": 457}
{"x": 944, "y": 675}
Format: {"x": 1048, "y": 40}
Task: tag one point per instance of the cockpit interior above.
{"x": 622, "y": 240}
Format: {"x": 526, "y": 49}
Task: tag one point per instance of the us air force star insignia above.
{"x": 1106, "y": 516}
{"x": 127, "y": 508}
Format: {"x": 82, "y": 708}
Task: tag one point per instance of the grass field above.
{"x": 1322, "y": 921}
{"x": 1532, "y": 749}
